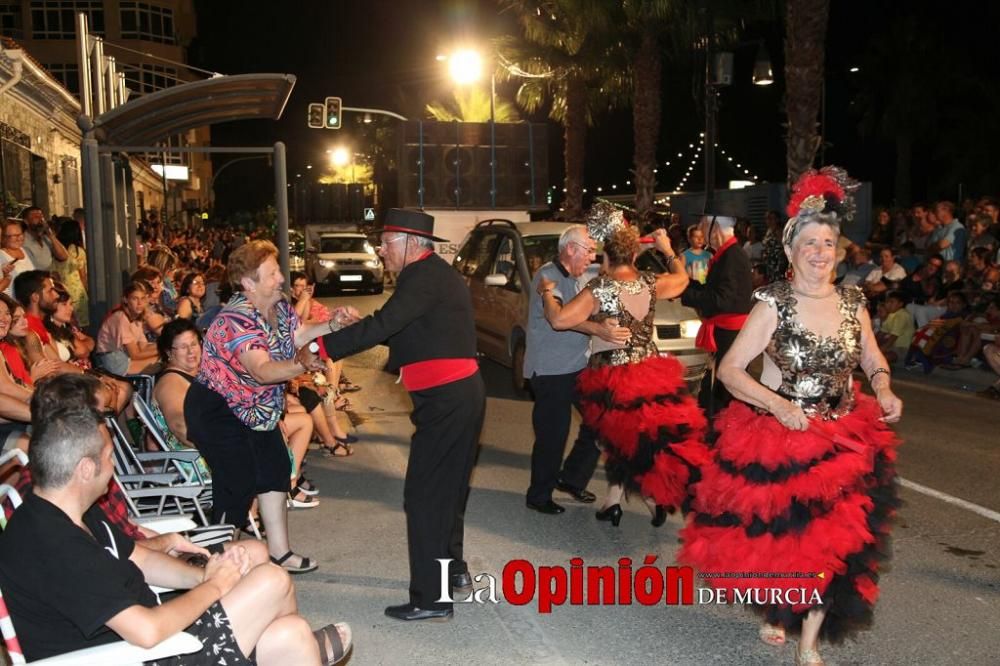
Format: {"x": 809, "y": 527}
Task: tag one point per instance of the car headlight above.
{"x": 328, "y": 263}
{"x": 690, "y": 327}
{"x": 373, "y": 263}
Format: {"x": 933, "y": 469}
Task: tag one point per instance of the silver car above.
{"x": 498, "y": 259}
{"x": 345, "y": 261}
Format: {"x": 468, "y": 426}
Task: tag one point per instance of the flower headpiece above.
{"x": 603, "y": 219}
{"x": 829, "y": 190}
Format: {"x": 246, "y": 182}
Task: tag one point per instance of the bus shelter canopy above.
{"x": 162, "y": 114}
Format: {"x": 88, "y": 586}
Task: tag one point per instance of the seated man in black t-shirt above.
{"x": 72, "y": 580}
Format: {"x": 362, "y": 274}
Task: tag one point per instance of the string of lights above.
{"x": 692, "y": 164}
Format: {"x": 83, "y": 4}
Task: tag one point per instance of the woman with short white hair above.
{"x": 801, "y": 488}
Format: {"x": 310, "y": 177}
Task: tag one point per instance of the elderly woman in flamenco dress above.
{"x": 801, "y": 487}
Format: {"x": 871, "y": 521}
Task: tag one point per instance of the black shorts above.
{"x": 218, "y": 643}
{"x": 309, "y": 399}
{"x": 244, "y": 462}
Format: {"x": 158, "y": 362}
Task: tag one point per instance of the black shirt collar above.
{"x": 561, "y": 268}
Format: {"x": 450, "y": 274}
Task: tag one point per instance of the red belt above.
{"x": 727, "y": 321}
{"x": 436, "y": 372}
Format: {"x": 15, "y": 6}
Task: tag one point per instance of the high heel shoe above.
{"x": 659, "y": 516}
{"x": 612, "y": 513}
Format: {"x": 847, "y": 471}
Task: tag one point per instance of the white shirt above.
{"x": 894, "y": 274}
{"x": 20, "y": 266}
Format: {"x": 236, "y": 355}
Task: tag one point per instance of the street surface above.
{"x": 940, "y": 601}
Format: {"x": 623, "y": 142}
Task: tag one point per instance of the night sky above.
{"x": 380, "y": 53}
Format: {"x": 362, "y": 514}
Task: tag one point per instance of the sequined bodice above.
{"x": 607, "y": 292}
{"x": 815, "y": 369}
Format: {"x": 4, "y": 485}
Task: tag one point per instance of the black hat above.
{"x": 409, "y": 221}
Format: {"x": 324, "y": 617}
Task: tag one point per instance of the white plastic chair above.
{"x": 112, "y": 654}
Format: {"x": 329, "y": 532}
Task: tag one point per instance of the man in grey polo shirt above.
{"x": 552, "y": 361}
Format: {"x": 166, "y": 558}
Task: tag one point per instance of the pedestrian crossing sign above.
{"x": 369, "y": 214}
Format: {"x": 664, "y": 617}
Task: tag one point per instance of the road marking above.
{"x": 944, "y": 497}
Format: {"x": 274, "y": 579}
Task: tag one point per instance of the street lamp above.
{"x": 762, "y": 74}
{"x": 340, "y": 156}
{"x": 718, "y": 73}
{"x": 465, "y": 67}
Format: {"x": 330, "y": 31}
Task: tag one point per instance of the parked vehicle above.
{"x": 345, "y": 261}
{"x": 498, "y": 259}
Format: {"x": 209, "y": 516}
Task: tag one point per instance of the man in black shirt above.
{"x": 431, "y": 335}
{"x": 72, "y": 579}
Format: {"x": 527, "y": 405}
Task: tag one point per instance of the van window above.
{"x": 476, "y": 256}
{"x": 505, "y": 264}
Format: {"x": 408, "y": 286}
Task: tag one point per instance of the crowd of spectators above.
{"x": 931, "y": 273}
{"x": 168, "y": 303}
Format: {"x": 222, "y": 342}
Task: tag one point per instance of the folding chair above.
{"x": 193, "y": 472}
{"x": 165, "y": 486}
{"x": 112, "y": 654}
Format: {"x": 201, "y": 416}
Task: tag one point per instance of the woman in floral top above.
{"x": 234, "y": 406}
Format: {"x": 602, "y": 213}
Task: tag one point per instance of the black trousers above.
{"x": 713, "y": 396}
{"x": 448, "y": 420}
{"x": 555, "y": 397}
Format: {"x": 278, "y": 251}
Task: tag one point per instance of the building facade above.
{"x": 148, "y": 40}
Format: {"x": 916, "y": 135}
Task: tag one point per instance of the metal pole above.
{"x": 493, "y": 141}
{"x": 111, "y": 269}
{"x": 710, "y": 108}
{"x": 91, "y": 173}
{"x": 420, "y": 165}
{"x": 111, "y": 82}
{"x": 531, "y": 161}
{"x": 710, "y": 101}
{"x": 83, "y": 63}
{"x": 97, "y": 75}
{"x": 281, "y": 203}
{"x": 380, "y": 112}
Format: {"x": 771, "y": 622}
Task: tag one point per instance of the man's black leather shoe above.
{"x": 410, "y": 613}
{"x": 580, "y": 495}
{"x": 549, "y": 507}
{"x": 461, "y": 582}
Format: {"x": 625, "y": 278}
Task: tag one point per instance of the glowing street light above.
{"x": 465, "y": 66}
{"x": 340, "y": 156}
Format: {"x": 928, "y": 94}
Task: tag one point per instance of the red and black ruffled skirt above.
{"x": 800, "y": 511}
{"x": 653, "y": 430}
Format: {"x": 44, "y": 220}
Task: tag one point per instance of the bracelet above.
{"x": 877, "y": 371}
{"x": 670, "y": 258}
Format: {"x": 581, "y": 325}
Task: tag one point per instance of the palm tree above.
{"x": 805, "y": 45}
{"x": 565, "y": 58}
{"x": 472, "y": 105}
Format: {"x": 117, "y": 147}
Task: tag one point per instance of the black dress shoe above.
{"x": 548, "y": 507}
{"x": 410, "y": 613}
{"x": 461, "y": 581}
{"x": 579, "y": 494}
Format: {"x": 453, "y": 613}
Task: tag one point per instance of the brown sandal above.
{"x": 330, "y": 635}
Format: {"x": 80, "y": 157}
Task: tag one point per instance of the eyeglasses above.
{"x": 589, "y": 249}
{"x": 13, "y": 235}
{"x": 201, "y": 282}
{"x": 194, "y": 346}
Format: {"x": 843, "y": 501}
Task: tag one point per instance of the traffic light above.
{"x": 333, "y": 117}
{"x": 316, "y": 116}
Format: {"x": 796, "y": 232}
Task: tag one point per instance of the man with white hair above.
{"x": 723, "y": 302}
{"x": 552, "y": 362}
